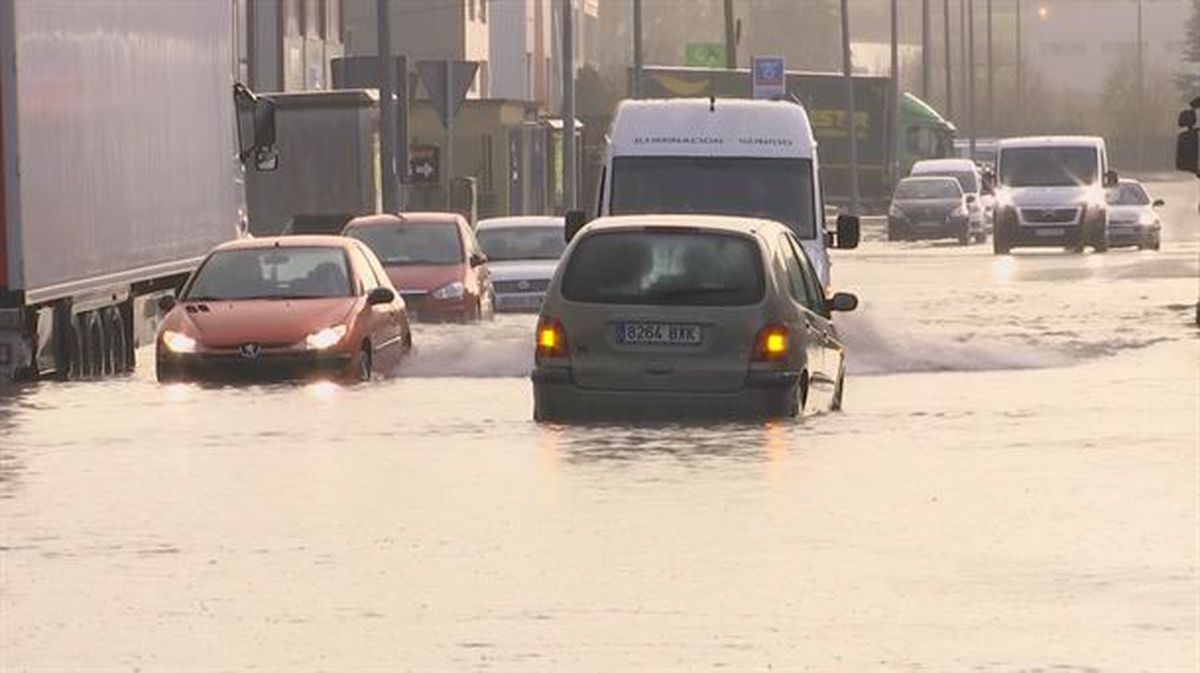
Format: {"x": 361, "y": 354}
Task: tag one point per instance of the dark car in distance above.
{"x": 930, "y": 208}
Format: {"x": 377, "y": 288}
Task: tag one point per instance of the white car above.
{"x": 522, "y": 254}
{"x": 687, "y": 316}
{"x": 1132, "y": 218}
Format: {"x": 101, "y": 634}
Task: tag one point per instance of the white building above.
{"x": 1073, "y": 44}
{"x": 526, "y": 47}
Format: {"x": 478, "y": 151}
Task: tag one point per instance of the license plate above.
{"x": 657, "y": 334}
{"x": 1048, "y": 232}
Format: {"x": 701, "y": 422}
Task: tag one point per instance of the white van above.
{"x": 1050, "y": 191}
{"x": 755, "y": 158}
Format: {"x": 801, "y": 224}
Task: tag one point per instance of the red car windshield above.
{"x": 271, "y": 273}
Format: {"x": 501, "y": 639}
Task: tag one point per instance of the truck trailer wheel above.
{"x": 119, "y": 355}
{"x": 70, "y": 360}
{"x": 95, "y": 346}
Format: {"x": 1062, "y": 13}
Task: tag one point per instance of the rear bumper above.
{"x": 273, "y": 366}
{"x": 764, "y": 395}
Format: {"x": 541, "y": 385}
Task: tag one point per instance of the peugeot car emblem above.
{"x": 249, "y": 351}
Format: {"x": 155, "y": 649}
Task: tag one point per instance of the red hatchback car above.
{"x": 288, "y": 307}
{"x": 434, "y": 261}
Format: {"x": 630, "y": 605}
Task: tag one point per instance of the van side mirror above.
{"x": 1111, "y": 179}
{"x": 970, "y": 198}
{"x": 478, "y": 259}
{"x": 847, "y": 232}
{"x": 1158, "y": 203}
{"x": 574, "y": 220}
{"x": 166, "y": 302}
{"x": 381, "y": 295}
{"x": 842, "y": 301}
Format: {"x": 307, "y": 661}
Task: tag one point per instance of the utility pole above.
{"x": 387, "y": 109}
{"x": 925, "y": 43}
{"x": 946, "y": 51}
{"x": 852, "y": 127}
{"x": 637, "y": 48}
{"x": 991, "y": 97}
{"x": 1020, "y": 64}
{"x": 962, "y": 49}
{"x": 730, "y": 37}
{"x": 971, "y": 73}
{"x": 1141, "y": 99}
{"x": 568, "y": 106}
{"x": 894, "y": 118}
{"x": 448, "y": 160}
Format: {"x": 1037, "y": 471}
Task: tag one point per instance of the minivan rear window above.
{"x": 665, "y": 268}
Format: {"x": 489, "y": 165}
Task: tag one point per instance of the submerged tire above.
{"x": 837, "y": 391}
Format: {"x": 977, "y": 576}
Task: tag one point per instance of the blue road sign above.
{"x": 769, "y": 76}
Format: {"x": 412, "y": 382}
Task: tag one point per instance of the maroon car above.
{"x": 433, "y": 260}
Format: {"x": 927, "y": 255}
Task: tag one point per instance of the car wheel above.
{"x": 364, "y": 364}
{"x": 837, "y": 391}
{"x": 1000, "y": 244}
{"x": 964, "y": 238}
{"x": 165, "y": 372}
{"x": 361, "y": 368}
{"x": 487, "y": 308}
{"x": 1101, "y": 244}
{"x": 1156, "y": 244}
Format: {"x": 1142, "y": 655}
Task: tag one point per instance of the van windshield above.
{"x": 774, "y": 189}
{"x": 1048, "y": 166}
{"x": 668, "y": 268}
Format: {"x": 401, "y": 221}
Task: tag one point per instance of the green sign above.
{"x": 705, "y": 55}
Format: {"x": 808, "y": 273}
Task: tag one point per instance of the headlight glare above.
{"x": 326, "y": 338}
{"x": 453, "y": 290}
{"x": 178, "y": 342}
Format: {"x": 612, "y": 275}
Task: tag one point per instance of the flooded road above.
{"x": 1012, "y": 487}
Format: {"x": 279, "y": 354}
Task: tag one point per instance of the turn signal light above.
{"x": 551, "y": 339}
{"x": 771, "y": 344}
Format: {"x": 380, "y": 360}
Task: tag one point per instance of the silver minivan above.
{"x": 686, "y": 316}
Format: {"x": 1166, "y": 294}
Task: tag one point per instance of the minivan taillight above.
{"x": 771, "y": 344}
{"x": 551, "y": 339}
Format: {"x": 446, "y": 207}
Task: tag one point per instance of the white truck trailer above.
{"x": 120, "y": 166}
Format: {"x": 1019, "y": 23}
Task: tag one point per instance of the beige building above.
{"x": 426, "y": 30}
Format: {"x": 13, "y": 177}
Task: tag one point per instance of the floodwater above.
{"x": 1012, "y": 487}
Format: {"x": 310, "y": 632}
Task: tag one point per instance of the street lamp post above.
{"x": 946, "y": 53}
{"x": 847, "y": 67}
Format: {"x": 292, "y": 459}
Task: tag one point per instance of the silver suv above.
{"x": 687, "y": 316}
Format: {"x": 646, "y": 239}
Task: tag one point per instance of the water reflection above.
{"x": 685, "y": 442}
